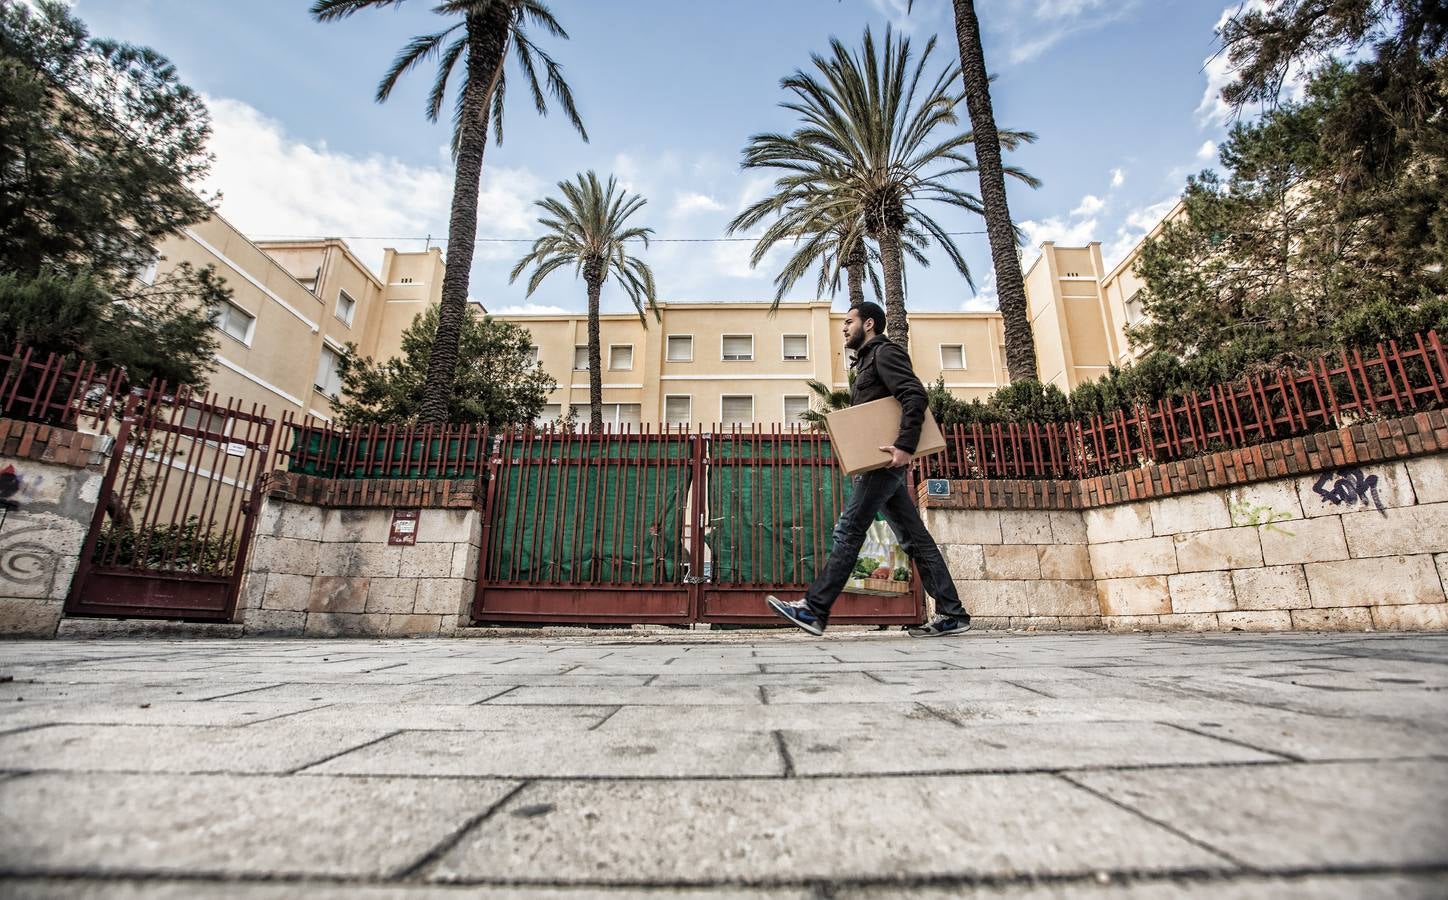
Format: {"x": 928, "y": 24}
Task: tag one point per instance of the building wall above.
{"x": 1079, "y": 314}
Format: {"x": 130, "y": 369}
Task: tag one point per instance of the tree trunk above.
{"x": 1010, "y": 284}
{"x": 593, "y": 277}
{"x": 855, "y": 274}
{"x": 893, "y": 272}
{"x": 487, "y": 41}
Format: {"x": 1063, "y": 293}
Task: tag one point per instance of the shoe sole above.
{"x": 936, "y": 634}
{"x": 777, "y": 606}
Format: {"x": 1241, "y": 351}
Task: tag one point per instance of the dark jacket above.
{"x": 882, "y": 369}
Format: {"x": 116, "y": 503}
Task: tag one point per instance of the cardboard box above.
{"x": 858, "y": 432}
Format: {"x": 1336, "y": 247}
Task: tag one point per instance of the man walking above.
{"x": 882, "y": 369}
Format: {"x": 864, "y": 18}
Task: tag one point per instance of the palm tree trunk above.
{"x": 593, "y": 277}
{"x": 1010, "y": 284}
{"x": 855, "y": 275}
{"x": 487, "y": 41}
{"x": 893, "y": 271}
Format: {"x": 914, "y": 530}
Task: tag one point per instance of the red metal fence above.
{"x": 56, "y": 390}
{"x": 1391, "y": 379}
{"x": 319, "y": 448}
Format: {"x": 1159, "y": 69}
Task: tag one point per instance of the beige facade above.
{"x": 297, "y": 304}
{"x": 706, "y": 364}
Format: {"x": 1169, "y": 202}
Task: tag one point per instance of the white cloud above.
{"x": 529, "y": 309}
{"x": 1138, "y": 222}
{"x": 690, "y": 202}
{"x": 1090, "y": 205}
{"x": 1118, "y": 177}
{"x": 986, "y": 299}
{"x": 1207, "y": 150}
{"x": 1213, "y": 110}
{"x": 274, "y": 184}
{"x": 1061, "y": 231}
{"x": 1031, "y": 27}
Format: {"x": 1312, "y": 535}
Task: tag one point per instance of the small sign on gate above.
{"x": 403, "y": 531}
{"x": 233, "y": 448}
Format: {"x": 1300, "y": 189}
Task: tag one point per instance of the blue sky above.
{"x": 1120, "y": 92}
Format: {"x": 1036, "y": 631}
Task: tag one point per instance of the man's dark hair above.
{"x": 874, "y": 313}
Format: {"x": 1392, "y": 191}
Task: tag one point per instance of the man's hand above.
{"x": 898, "y": 457}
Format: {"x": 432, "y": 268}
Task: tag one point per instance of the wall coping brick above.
{"x": 1360, "y": 444}
{"x": 385, "y": 493}
{"x": 50, "y": 444}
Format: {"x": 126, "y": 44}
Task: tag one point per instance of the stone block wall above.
{"x": 326, "y": 571}
{"x": 1019, "y": 569}
{"x": 1307, "y": 553}
{"x": 50, "y": 481}
{"x": 1340, "y": 531}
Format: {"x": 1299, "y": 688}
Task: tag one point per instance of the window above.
{"x": 235, "y": 321}
{"x": 549, "y": 415}
{"x": 738, "y": 346}
{"x": 328, "y": 382}
{"x": 678, "y": 410}
{"x": 616, "y": 416}
{"x": 952, "y": 356}
{"x": 532, "y": 357}
{"x": 148, "y": 273}
{"x": 681, "y": 348}
{"x": 213, "y": 423}
{"x": 796, "y": 346}
{"x": 793, "y": 408}
{"x": 580, "y": 359}
{"x": 346, "y": 308}
{"x": 620, "y": 356}
{"x": 1133, "y": 307}
{"x": 736, "y": 410}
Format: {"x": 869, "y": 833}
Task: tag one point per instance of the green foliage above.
{"x": 865, "y": 566}
{"x": 901, "y": 573}
{"x": 161, "y": 331}
{"x": 180, "y": 547}
{"x": 496, "y": 381}
{"x": 99, "y": 142}
{"x": 826, "y": 400}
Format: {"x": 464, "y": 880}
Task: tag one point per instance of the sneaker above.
{"x": 799, "y": 613}
{"x": 941, "y": 626}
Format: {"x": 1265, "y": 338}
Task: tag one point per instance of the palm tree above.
{"x": 1010, "y": 283}
{"x": 867, "y": 155}
{"x": 586, "y": 229}
{"x": 828, "y": 399}
{"x": 481, "y": 39}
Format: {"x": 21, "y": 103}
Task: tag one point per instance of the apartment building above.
{"x": 294, "y": 307}
{"x": 297, "y": 303}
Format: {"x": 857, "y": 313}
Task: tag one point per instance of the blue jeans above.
{"x": 887, "y": 491}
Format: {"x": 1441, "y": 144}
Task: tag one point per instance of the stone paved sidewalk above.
{"x": 758, "y": 764}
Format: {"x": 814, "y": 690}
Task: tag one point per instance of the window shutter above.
{"x": 738, "y": 346}
{"x": 738, "y": 410}
{"x": 796, "y": 346}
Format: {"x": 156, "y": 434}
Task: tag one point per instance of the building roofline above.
{"x": 1136, "y": 248}
{"x": 324, "y": 243}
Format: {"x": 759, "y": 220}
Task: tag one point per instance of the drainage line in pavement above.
{"x": 1290, "y": 757}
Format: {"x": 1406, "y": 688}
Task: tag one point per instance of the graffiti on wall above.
{"x": 1244, "y": 513}
{"x": 1349, "y": 486}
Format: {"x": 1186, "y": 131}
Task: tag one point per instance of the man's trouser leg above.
{"x": 904, "y": 518}
{"x": 872, "y": 490}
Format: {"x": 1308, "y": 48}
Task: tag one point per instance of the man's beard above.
{"x": 855, "y": 341}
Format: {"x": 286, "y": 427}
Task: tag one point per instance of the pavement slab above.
{"x": 230, "y": 824}
{"x": 768, "y": 831}
{"x": 1336, "y": 811}
{"x": 731, "y": 764}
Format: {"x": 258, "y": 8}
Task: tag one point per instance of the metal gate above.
{"x": 176, "y": 510}
{"x": 662, "y": 527}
